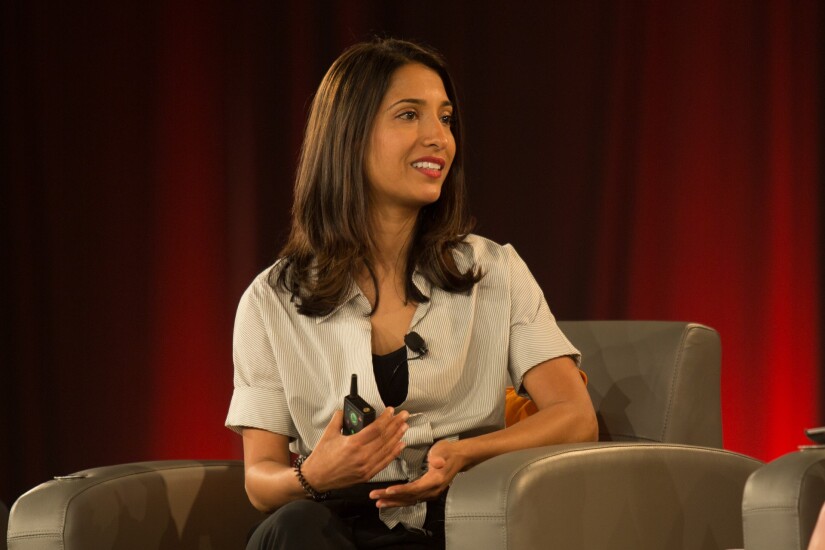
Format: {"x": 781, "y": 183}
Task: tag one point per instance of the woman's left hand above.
{"x": 445, "y": 462}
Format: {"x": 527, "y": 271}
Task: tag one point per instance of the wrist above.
{"x": 309, "y": 482}
{"x": 468, "y": 451}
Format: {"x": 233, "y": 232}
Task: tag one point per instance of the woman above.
{"x": 380, "y": 248}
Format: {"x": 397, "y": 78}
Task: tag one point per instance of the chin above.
{"x": 430, "y": 200}
{"x": 432, "y": 196}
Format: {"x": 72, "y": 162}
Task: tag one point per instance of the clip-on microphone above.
{"x": 415, "y": 342}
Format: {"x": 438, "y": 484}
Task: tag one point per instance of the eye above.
{"x": 447, "y": 120}
{"x": 408, "y": 115}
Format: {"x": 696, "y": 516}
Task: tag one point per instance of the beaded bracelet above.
{"x": 313, "y": 494}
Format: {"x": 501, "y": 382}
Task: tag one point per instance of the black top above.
{"x": 392, "y": 376}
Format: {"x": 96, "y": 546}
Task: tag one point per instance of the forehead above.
{"x": 416, "y": 81}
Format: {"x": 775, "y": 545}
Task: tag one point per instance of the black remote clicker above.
{"x": 817, "y": 435}
{"x": 358, "y": 414}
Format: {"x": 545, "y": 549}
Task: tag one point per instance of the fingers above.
{"x": 387, "y": 503}
{"x": 376, "y": 446}
{"x": 427, "y": 487}
{"x": 386, "y": 445}
{"x": 382, "y": 436}
{"x": 444, "y": 464}
{"x": 387, "y": 423}
{"x": 392, "y": 443}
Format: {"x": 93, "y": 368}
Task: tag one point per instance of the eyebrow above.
{"x": 446, "y": 103}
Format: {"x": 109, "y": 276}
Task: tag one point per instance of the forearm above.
{"x": 270, "y": 485}
{"x": 557, "y": 423}
{"x": 565, "y": 414}
{"x": 564, "y": 422}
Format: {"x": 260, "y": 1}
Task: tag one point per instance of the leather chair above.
{"x": 141, "y": 506}
{"x": 658, "y": 479}
{"x": 783, "y": 500}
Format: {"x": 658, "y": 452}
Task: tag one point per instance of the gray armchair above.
{"x": 658, "y": 479}
{"x": 782, "y": 501}
{"x": 142, "y": 506}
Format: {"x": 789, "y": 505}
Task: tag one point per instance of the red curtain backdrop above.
{"x": 649, "y": 160}
{"x": 189, "y": 263}
{"x": 710, "y": 206}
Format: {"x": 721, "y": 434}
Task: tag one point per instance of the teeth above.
{"x": 427, "y": 165}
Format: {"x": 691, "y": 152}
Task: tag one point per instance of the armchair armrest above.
{"x": 782, "y": 501}
{"x": 147, "y": 505}
{"x": 639, "y": 496}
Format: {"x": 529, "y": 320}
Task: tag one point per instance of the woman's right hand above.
{"x": 343, "y": 460}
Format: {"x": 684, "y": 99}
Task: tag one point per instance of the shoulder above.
{"x": 265, "y": 290}
{"x": 483, "y": 253}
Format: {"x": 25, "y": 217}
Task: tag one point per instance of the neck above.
{"x": 392, "y": 235}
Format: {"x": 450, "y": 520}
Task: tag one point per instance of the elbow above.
{"x": 260, "y": 506}
{"x": 586, "y": 426}
{"x": 591, "y": 427}
{"x": 257, "y": 503}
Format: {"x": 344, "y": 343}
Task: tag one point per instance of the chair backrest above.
{"x": 653, "y": 381}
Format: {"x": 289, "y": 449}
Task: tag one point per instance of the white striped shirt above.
{"x": 293, "y": 371}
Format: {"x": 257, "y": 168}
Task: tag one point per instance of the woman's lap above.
{"x": 343, "y": 524}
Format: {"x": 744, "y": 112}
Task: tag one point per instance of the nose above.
{"x": 435, "y": 134}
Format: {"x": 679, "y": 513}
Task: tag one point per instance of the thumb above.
{"x": 436, "y": 460}
{"x": 335, "y": 424}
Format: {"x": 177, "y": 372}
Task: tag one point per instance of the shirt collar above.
{"x": 423, "y": 284}
{"x": 419, "y": 280}
{"x": 352, "y": 293}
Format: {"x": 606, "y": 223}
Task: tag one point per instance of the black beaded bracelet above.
{"x": 313, "y": 494}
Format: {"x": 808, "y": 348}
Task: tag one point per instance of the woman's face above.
{"x": 411, "y": 146}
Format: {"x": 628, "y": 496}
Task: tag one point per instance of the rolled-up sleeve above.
{"x": 534, "y": 335}
{"x": 258, "y": 400}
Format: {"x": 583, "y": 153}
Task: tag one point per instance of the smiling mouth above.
{"x": 427, "y": 165}
{"x": 429, "y": 168}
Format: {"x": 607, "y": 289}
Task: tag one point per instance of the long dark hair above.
{"x": 330, "y": 240}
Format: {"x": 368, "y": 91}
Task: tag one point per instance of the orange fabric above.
{"x": 518, "y": 408}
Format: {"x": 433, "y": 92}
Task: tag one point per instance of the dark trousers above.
{"x": 348, "y": 520}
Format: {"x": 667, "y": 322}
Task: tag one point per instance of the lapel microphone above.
{"x": 415, "y": 342}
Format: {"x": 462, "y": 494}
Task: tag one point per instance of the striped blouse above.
{"x": 293, "y": 371}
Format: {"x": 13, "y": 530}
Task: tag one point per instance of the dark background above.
{"x": 649, "y": 160}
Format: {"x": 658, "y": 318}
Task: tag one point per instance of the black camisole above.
{"x": 392, "y": 376}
